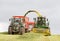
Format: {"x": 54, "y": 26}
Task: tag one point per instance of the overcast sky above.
{"x": 48, "y": 8}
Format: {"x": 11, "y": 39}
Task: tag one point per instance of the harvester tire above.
{"x": 10, "y": 30}
{"x": 48, "y": 32}
{"x": 21, "y": 31}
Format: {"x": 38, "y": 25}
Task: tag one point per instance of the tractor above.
{"x": 41, "y": 24}
{"x": 18, "y": 25}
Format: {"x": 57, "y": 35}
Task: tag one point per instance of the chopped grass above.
{"x": 28, "y": 37}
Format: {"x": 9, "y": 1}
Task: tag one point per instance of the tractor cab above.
{"x": 16, "y": 25}
{"x": 16, "y": 21}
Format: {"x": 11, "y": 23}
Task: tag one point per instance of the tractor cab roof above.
{"x": 19, "y": 17}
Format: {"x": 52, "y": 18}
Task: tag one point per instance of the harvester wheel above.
{"x": 10, "y": 30}
{"x": 48, "y": 32}
{"x": 21, "y": 31}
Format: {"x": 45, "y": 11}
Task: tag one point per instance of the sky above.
{"x": 48, "y": 8}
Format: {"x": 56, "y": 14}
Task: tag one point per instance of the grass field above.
{"x": 28, "y": 37}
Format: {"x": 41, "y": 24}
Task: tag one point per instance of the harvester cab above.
{"x": 41, "y": 21}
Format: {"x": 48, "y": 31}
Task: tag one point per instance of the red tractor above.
{"x": 19, "y": 24}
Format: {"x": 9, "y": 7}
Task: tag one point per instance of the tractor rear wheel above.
{"x": 10, "y": 30}
{"x": 21, "y": 30}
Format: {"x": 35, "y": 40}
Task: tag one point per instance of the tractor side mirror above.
{"x": 9, "y": 19}
{"x": 34, "y": 19}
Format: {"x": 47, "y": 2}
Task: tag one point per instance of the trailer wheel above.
{"x": 10, "y": 30}
{"x": 26, "y": 30}
{"x": 21, "y": 30}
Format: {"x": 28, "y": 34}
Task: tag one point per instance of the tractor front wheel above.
{"x": 21, "y": 30}
{"x": 10, "y": 30}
